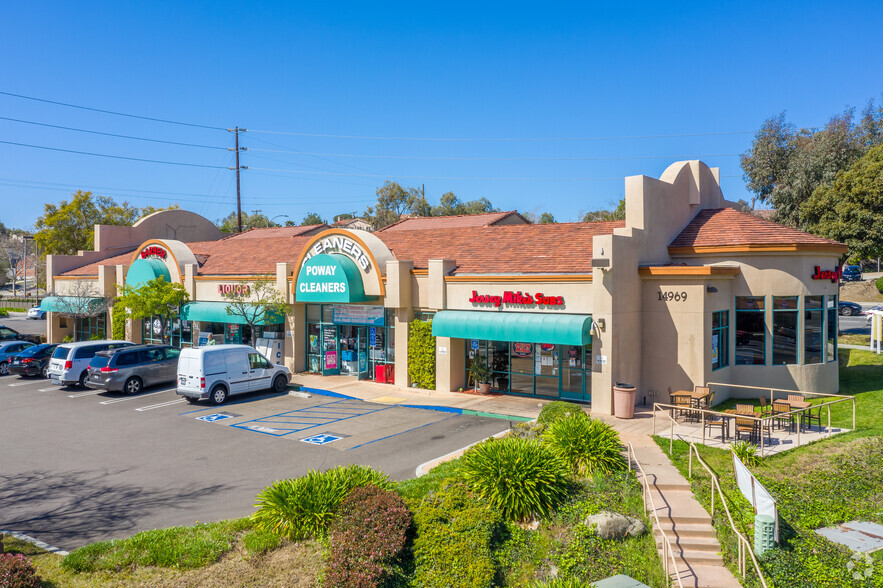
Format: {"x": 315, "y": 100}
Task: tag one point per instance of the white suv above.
{"x": 70, "y": 361}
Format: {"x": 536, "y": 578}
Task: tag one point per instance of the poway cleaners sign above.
{"x": 340, "y": 244}
{"x": 329, "y": 278}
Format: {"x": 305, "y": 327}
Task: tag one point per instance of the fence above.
{"x": 22, "y": 303}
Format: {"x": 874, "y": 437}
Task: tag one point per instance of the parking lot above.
{"x": 81, "y": 465}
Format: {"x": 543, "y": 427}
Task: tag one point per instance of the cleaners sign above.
{"x": 340, "y": 244}
{"x": 329, "y": 278}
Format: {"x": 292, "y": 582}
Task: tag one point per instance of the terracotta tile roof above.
{"x": 265, "y": 232}
{"x": 529, "y": 249}
{"x": 451, "y": 222}
{"x": 721, "y": 227}
{"x": 92, "y": 268}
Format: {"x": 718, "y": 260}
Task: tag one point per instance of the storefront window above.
{"x": 750, "y": 332}
{"x": 785, "y": 314}
{"x": 813, "y": 323}
{"x": 90, "y": 327}
{"x": 832, "y": 328}
{"x": 153, "y": 332}
{"x": 720, "y": 339}
{"x": 356, "y": 340}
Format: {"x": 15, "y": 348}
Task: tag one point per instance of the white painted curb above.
{"x": 37, "y": 542}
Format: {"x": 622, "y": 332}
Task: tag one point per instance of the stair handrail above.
{"x": 744, "y": 546}
{"x": 667, "y": 551}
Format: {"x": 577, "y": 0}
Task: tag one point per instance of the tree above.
{"x": 393, "y": 201}
{"x": 851, "y": 208}
{"x": 255, "y": 302}
{"x": 617, "y": 213}
{"x": 156, "y": 298}
{"x": 547, "y": 219}
{"x": 255, "y": 220}
{"x": 68, "y": 227}
{"x": 80, "y": 301}
{"x": 312, "y": 219}
{"x": 151, "y": 209}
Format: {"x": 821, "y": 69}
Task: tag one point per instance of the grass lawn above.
{"x": 831, "y": 481}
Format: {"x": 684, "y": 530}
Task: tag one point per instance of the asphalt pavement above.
{"x": 21, "y": 323}
{"x": 79, "y": 466}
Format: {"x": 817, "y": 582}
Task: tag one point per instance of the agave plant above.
{"x": 520, "y": 477}
{"x": 587, "y": 444}
{"x": 303, "y": 507}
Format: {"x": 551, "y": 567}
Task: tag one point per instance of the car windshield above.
{"x": 852, "y": 269}
{"x": 35, "y": 350}
{"x": 60, "y": 353}
{"x": 99, "y": 361}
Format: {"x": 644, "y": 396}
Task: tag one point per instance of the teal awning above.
{"x": 330, "y": 277}
{"x": 216, "y": 312}
{"x": 73, "y": 304}
{"x": 144, "y": 270}
{"x": 559, "y": 329}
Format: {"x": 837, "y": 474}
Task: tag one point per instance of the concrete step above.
{"x": 705, "y": 544}
{"x": 706, "y": 576}
{"x": 698, "y": 532}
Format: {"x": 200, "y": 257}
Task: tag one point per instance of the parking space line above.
{"x": 402, "y": 433}
{"x": 81, "y": 394}
{"x": 20, "y": 384}
{"x": 245, "y": 425}
{"x": 161, "y": 404}
{"x": 137, "y": 396}
{"x": 48, "y": 389}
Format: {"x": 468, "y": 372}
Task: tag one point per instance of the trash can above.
{"x": 623, "y": 400}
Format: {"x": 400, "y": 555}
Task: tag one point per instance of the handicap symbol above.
{"x": 211, "y": 418}
{"x": 321, "y": 439}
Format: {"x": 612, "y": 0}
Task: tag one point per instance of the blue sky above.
{"x": 635, "y": 86}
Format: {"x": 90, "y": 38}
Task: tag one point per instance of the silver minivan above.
{"x": 131, "y": 369}
{"x": 70, "y": 361}
{"x": 216, "y": 372}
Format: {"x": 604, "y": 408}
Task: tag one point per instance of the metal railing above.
{"x": 669, "y": 564}
{"x": 743, "y": 545}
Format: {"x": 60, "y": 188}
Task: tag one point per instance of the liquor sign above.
{"x": 153, "y": 251}
{"x": 235, "y": 289}
{"x": 517, "y": 298}
{"x": 833, "y": 275}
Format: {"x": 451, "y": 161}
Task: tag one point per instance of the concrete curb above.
{"x": 36, "y": 542}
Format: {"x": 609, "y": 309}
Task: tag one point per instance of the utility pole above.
{"x": 236, "y": 130}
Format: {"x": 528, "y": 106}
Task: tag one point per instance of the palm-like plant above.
{"x": 587, "y": 444}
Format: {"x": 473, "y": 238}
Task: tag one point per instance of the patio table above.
{"x": 800, "y": 405}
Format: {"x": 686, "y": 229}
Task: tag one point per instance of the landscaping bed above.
{"x": 509, "y": 512}
{"x": 825, "y": 483}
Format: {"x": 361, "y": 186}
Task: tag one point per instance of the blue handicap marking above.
{"x": 321, "y": 439}
{"x": 475, "y": 344}
{"x": 211, "y": 418}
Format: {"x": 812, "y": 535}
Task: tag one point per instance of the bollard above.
{"x": 764, "y": 533}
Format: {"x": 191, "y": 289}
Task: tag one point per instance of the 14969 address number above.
{"x": 672, "y": 296}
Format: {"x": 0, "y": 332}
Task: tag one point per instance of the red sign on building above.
{"x": 153, "y": 251}
{"x": 833, "y": 275}
{"x": 518, "y": 298}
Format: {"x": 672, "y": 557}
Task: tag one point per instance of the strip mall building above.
{"x": 685, "y": 291}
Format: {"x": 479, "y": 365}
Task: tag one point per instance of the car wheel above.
{"x": 45, "y": 371}
{"x": 82, "y": 381}
{"x": 846, "y": 311}
{"x": 219, "y": 395}
{"x": 4, "y": 368}
{"x": 132, "y": 386}
{"x": 280, "y": 384}
{"x": 192, "y": 400}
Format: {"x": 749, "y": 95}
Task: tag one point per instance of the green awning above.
{"x": 144, "y": 270}
{"x": 330, "y": 277}
{"x": 559, "y": 329}
{"x": 216, "y": 312}
{"x": 79, "y": 305}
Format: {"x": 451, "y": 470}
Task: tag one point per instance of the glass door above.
{"x": 576, "y": 372}
{"x": 362, "y": 353}
{"x": 330, "y": 351}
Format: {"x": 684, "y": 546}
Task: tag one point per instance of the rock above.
{"x": 612, "y": 525}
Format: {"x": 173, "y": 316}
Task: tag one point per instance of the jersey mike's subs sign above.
{"x": 518, "y": 298}
{"x": 832, "y": 274}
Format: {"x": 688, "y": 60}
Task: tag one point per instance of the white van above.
{"x": 216, "y": 372}
{"x": 70, "y": 361}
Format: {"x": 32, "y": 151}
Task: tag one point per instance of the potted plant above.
{"x": 481, "y": 375}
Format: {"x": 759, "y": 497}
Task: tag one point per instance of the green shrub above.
{"x": 587, "y": 444}
{"x": 416, "y": 488}
{"x": 519, "y": 477}
{"x": 175, "y": 547}
{"x": 556, "y": 410}
{"x": 118, "y": 321}
{"x": 303, "y": 507}
{"x": 68, "y": 339}
{"x": 558, "y": 583}
{"x": 879, "y": 283}
{"x": 528, "y": 430}
{"x": 367, "y": 539}
{"x": 3, "y": 313}
{"x": 16, "y": 571}
{"x": 258, "y": 541}
{"x": 747, "y": 453}
{"x": 421, "y": 354}
{"x": 456, "y": 535}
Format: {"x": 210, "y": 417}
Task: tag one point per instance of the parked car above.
{"x": 849, "y": 308}
{"x": 35, "y": 312}
{"x": 7, "y": 334}
{"x": 217, "y": 372}
{"x": 33, "y": 361}
{"x": 70, "y": 361}
{"x": 851, "y": 273}
{"x": 131, "y": 369}
{"x": 7, "y": 350}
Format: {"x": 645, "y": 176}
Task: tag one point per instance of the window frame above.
{"x": 723, "y": 333}
{"x": 762, "y": 312}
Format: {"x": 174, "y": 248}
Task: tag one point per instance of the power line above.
{"x": 601, "y": 138}
{"x": 29, "y": 122}
{"x": 296, "y": 171}
{"x": 112, "y": 156}
{"x": 674, "y": 157}
{"x": 171, "y": 122}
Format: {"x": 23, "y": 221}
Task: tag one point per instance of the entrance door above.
{"x": 330, "y": 351}
{"x": 362, "y": 353}
{"x": 573, "y": 373}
